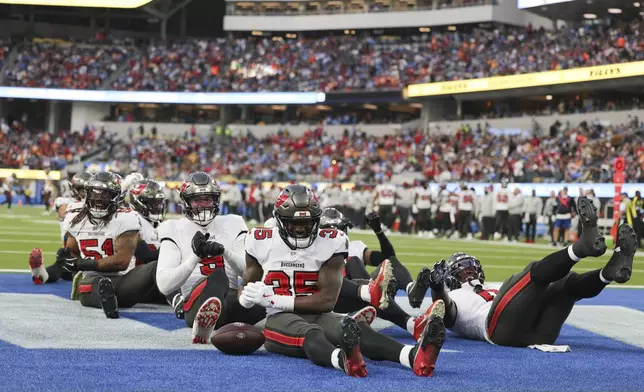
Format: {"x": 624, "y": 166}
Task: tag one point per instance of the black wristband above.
{"x": 87, "y": 265}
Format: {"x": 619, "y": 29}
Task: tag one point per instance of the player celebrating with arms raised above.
{"x": 294, "y": 270}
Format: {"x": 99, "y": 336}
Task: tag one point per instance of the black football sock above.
{"x": 379, "y": 347}
{"x": 395, "y": 314}
{"x": 553, "y": 267}
{"x": 401, "y": 273}
{"x": 320, "y": 351}
{"x": 349, "y": 289}
{"x": 55, "y": 272}
{"x": 355, "y": 269}
{"x": 586, "y": 285}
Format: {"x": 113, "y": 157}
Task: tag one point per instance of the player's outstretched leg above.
{"x": 379, "y": 291}
{"x": 109, "y": 303}
{"x": 420, "y": 357}
{"x": 418, "y": 288}
{"x": 205, "y": 320}
{"x": 620, "y": 265}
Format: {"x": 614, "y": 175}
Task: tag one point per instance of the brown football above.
{"x": 238, "y": 339}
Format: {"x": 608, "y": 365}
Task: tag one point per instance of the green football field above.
{"x": 25, "y": 228}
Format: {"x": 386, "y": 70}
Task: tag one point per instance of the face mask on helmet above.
{"x": 467, "y": 270}
{"x": 152, "y": 209}
{"x": 78, "y": 192}
{"x": 298, "y": 232}
{"x": 101, "y": 202}
{"x": 202, "y": 209}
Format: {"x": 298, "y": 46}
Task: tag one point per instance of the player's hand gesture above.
{"x": 257, "y": 293}
{"x": 373, "y": 219}
{"x": 199, "y": 246}
{"x": 438, "y": 276}
{"x": 65, "y": 258}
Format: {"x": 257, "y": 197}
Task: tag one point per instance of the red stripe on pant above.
{"x": 505, "y": 300}
{"x": 84, "y": 288}
{"x": 194, "y": 294}
{"x": 283, "y": 339}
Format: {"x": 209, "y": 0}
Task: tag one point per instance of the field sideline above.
{"x": 25, "y": 228}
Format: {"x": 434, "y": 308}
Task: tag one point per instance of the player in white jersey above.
{"x": 465, "y": 212}
{"x": 445, "y": 210}
{"x": 64, "y": 206}
{"x": 202, "y": 255}
{"x": 385, "y": 196}
{"x": 501, "y": 205}
{"x": 359, "y": 289}
{"x": 295, "y": 272}
{"x": 423, "y": 204}
{"x": 531, "y": 306}
{"x": 101, "y": 243}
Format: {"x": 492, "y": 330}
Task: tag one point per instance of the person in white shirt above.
{"x": 531, "y": 306}
{"x": 487, "y": 214}
{"x": 465, "y": 208}
{"x": 385, "y": 196}
{"x": 443, "y": 218}
{"x": 533, "y": 206}
{"x": 202, "y": 255}
{"x": 516, "y": 210}
{"x": 501, "y": 200}
{"x": 233, "y": 198}
{"x": 405, "y": 197}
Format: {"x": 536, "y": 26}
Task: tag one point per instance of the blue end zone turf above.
{"x": 596, "y": 363}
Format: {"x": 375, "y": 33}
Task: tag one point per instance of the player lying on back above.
{"x": 101, "y": 243}
{"x": 295, "y": 272}
{"x": 197, "y": 257}
{"x": 359, "y": 290}
{"x": 63, "y": 205}
{"x": 532, "y": 305}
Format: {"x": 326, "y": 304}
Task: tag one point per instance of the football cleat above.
{"x": 75, "y": 294}
{"x": 419, "y": 288}
{"x": 591, "y": 242}
{"x": 366, "y": 314}
{"x": 620, "y": 265}
{"x": 177, "y": 305}
{"x": 35, "y": 263}
{"x": 435, "y": 309}
{"x": 205, "y": 320}
{"x": 354, "y": 365}
{"x": 109, "y": 302}
{"x": 428, "y": 347}
{"x": 379, "y": 288}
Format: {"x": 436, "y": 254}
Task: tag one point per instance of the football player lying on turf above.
{"x": 359, "y": 290}
{"x": 295, "y": 272}
{"x": 531, "y": 306}
{"x": 197, "y": 256}
{"x": 101, "y": 242}
{"x": 63, "y": 205}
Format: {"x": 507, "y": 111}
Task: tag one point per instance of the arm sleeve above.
{"x": 171, "y": 272}
{"x": 235, "y": 256}
{"x": 385, "y": 245}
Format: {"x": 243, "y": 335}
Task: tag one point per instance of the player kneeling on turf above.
{"x": 197, "y": 256}
{"x": 532, "y": 305}
{"x": 101, "y": 243}
{"x": 295, "y": 272}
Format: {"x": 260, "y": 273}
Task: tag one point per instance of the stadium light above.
{"x": 549, "y": 97}
{"x": 590, "y": 16}
{"x": 636, "y": 4}
{"x": 615, "y": 10}
{"x": 82, "y": 3}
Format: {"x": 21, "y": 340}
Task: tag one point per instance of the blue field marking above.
{"x": 597, "y": 363}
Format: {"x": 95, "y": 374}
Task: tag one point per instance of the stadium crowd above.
{"x": 331, "y": 63}
{"x": 582, "y": 153}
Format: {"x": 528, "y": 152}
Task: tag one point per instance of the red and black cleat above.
{"x": 428, "y": 348}
{"x": 380, "y": 288}
{"x": 354, "y": 365}
{"x": 35, "y": 262}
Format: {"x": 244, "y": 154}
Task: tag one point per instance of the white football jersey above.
{"x": 178, "y": 233}
{"x": 73, "y": 207}
{"x": 61, "y": 201}
{"x": 356, "y": 249}
{"x": 386, "y": 194}
{"x": 472, "y": 310}
{"x": 501, "y": 198}
{"x": 293, "y": 272}
{"x": 424, "y": 199}
{"x": 97, "y": 242}
{"x": 466, "y": 200}
{"x": 443, "y": 201}
{"x": 149, "y": 234}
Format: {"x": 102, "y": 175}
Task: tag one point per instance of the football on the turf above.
{"x": 238, "y": 339}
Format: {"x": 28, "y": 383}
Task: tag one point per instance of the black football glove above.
{"x": 72, "y": 264}
{"x": 204, "y": 248}
{"x": 439, "y": 275}
{"x": 373, "y": 219}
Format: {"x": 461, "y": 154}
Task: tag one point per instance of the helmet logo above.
{"x": 184, "y": 186}
{"x": 281, "y": 199}
{"x": 138, "y": 189}
{"x": 302, "y": 214}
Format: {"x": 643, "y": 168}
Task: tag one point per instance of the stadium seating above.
{"x": 332, "y": 63}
